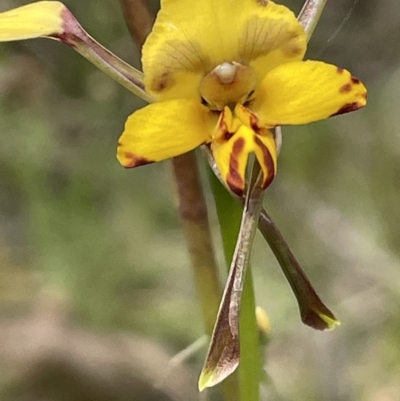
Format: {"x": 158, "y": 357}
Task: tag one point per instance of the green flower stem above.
{"x": 250, "y": 358}
{"x": 250, "y": 367}
{"x": 229, "y": 215}
{"x": 310, "y": 15}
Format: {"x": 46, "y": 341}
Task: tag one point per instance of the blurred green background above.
{"x": 96, "y": 290}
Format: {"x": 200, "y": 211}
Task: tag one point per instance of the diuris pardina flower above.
{"x": 222, "y": 73}
{"x": 227, "y": 72}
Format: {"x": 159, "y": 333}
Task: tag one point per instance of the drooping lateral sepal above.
{"x": 313, "y": 311}
{"x": 224, "y": 352}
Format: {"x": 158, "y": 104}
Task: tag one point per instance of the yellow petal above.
{"x": 231, "y": 146}
{"x": 265, "y": 146}
{"x": 307, "y": 91}
{"x": 231, "y": 158}
{"x": 163, "y": 130}
{"x": 274, "y": 39}
{"x": 191, "y": 38}
{"x": 43, "y": 18}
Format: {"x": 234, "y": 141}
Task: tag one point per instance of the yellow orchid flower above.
{"x": 222, "y": 72}
{"x": 226, "y": 73}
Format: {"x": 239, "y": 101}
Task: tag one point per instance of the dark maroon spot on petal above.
{"x": 163, "y": 82}
{"x": 263, "y": 3}
{"x": 234, "y": 180}
{"x": 347, "y": 108}
{"x": 268, "y": 161}
{"x": 238, "y": 147}
{"x": 295, "y": 51}
{"x": 254, "y": 123}
{"x": 227, "y": 135}
{"x": 239, "y": 191}
{"x": 345, "y": 88}
{"x": 135, "y": 161}
{"x": 292, "y": 47}
{"x": 224, "y": 135}
{"x": 355, "y": 80}
{"x": 234, "y": 175}
{"x": 159, "y": 83}
{"x": 340, "y": 70}
{"x": 248, "y": 103}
